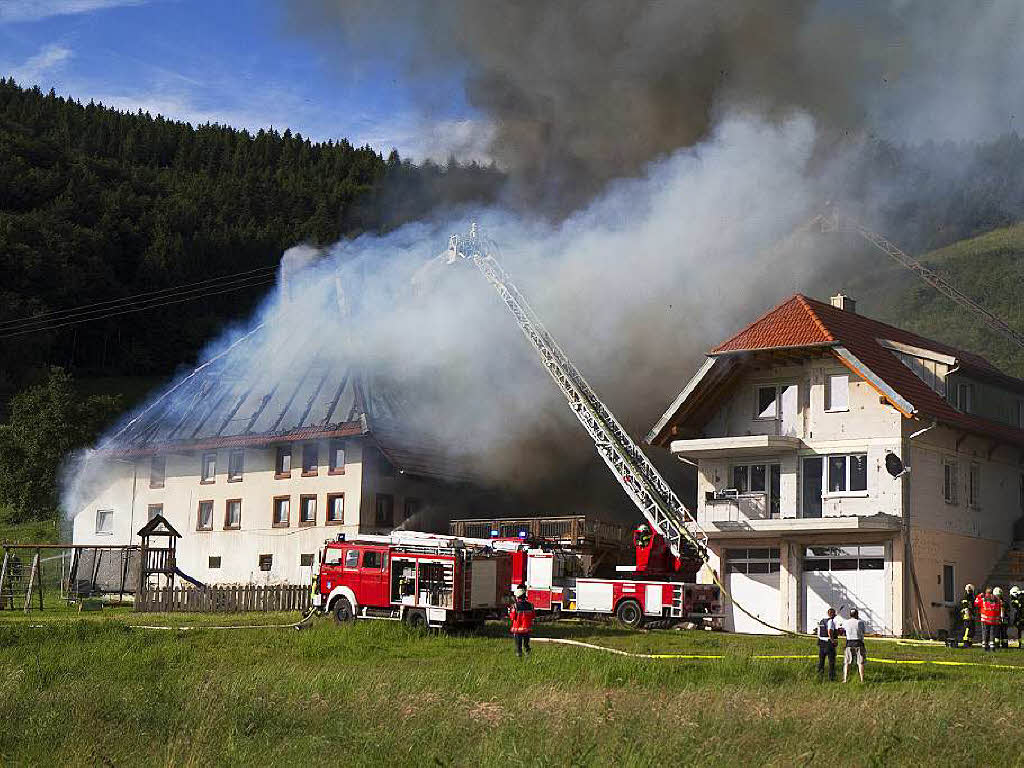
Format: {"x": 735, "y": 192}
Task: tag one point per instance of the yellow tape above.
{"x": 768, "y": 657}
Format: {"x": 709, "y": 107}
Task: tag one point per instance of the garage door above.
{"x": 844, "y": 578}
{"x": 753, "y": 581}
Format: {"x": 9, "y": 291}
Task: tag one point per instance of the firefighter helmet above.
{"x": 520, "y": 591}
{"x": 642, "y": 528}
{"x": 1014, "y": 590}
{"x": 969, "y": 588}
{"x": 998, "y": 591}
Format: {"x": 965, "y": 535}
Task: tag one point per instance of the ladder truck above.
{"x": 672, "y": 550}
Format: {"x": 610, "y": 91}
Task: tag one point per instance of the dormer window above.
{"x": 928, "y": 365}
{"x": 965, "y": 397}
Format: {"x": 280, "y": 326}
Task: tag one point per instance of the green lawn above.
{"x": 85, "y": 689}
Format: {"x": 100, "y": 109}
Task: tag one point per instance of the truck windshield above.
{"x": 332, "y": 557}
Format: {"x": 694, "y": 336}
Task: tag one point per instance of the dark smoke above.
{"x": 583, "y": 92}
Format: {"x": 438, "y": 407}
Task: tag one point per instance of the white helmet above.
{"x": 1014, "y": 590}
{"x": 642, "y": 528}
{"x": 969, "y": 588}
{"x": 520, "y": 592}
{"x": 998, "y": 591}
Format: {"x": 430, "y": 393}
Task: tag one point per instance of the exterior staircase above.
{"x": 1010, "y": 568}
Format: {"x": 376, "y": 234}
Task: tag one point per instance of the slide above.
{"x": 189, "y": 579}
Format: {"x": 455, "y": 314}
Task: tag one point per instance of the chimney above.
{"x": 842, "y": 301}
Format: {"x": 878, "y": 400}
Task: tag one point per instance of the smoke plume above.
{"x": 581, "y": 93}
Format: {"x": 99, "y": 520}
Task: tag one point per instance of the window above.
{"x": 332, "y": 557}
{"x": 236, "y": 466}
{"x": 385, "y": 516}
{"x": 233, "y": 514}
{"x": 767, "y": 402}
{"x": 153, "y": 510}
{"x": 372, "y": 559}
{"x": 335, "y": 508}
{"x": 965, "y": 397}
{"x": 773, "y": 400}
{"x": 214, "y": 561}
{"x": 282, "y": 510}
{"x": 845, "y": 558}
{"x": 412, "y": 508}
{"x": 105, "y": 522}
{"x": 266, "y": 562}
{"x": 847, "y": 474}
{"x": 974, "y": 485}
{"x": 811, "y": 495}
{"x": 204, "y": 518}
{"x": 949, "y": 482}
{"x": 157, "y": 471}
{"x": 209, "y": 468}
{"x": 307, "y": 510}
{"x": 760, "y": 478}
{"x": 948, "y": 590}
{"x": 305, "y": 561}
{"x": 837, "y": 396}
{"x": 756, "y": 560}
{"x": 283, "y": 464}
{"x": 310, "y": 459}
{"x": 337, "y": 458}
{"x": 351, "y": 558}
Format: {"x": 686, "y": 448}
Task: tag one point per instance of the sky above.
{"x": 234, "y": 63}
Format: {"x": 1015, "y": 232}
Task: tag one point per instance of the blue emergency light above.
{"x": 495, "y": 534}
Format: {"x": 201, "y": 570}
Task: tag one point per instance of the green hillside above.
{"x": 989, "y": 268}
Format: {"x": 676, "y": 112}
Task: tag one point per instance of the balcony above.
{"x": 732, "y": 447}
{"x": 743, "y": 508}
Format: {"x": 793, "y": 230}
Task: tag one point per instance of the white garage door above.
{"x": 753, "y": 581}
{"x": 844, "y": 578}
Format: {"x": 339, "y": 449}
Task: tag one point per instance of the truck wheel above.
{"x": 630, "y": 614}
{"x": 416, "y": 620}
{"x": 343, "y": 612}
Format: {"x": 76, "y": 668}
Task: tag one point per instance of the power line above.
{"x": 60, "y": 314}
{"x": 78, "y": 321}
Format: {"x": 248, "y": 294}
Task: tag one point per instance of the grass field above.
{"x": 89, "y": 690}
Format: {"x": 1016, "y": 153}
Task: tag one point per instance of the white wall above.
{"x": 868, "y": 426}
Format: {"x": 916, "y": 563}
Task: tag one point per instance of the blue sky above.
{"x": 227, "y": 62}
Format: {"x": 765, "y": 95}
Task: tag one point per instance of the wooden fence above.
{"x": 282, "y": 597}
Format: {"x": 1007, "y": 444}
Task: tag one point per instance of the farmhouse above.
{"x": 256, "y": 470}
{"x": 789, "y": 424}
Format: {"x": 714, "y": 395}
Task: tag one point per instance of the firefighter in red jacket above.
{"x": 522, "y": 615}
{"x": 990, "y": 610}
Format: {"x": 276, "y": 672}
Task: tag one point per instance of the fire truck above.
{"x": 425, "y": 581}
{"x": 661, "y": 589}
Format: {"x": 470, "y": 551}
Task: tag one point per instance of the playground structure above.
{"x": 70, "y": 572}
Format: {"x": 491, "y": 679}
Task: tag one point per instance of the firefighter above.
{"x": 990, "y": 612}
{"x": 1003, "y": 631}
{"x": 522, "y": 614}
{"x": 643, "y": 536}
{"x": 1017, "y": 602}
{"x": 967, "y": 615}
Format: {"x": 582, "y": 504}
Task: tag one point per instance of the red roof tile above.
{"x": 791, "y": 324}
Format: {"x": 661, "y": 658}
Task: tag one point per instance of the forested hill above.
{"x": 97, "y": 204}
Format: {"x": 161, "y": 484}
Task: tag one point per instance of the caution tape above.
{"x": 763, "y": 657}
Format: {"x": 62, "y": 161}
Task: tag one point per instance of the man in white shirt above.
{"x": 853, "y": 629}
{"x": 827, "y": 640}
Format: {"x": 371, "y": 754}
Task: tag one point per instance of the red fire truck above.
{"x": 662, "y": 589}
{"x": 423, "y": 580}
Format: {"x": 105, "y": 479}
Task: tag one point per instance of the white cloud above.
{"x": 34, "y": 69}
{"x": 36, "y": 10}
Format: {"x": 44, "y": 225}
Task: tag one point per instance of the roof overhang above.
{"x": 900, "y": 403}
{"x": 349, "y": 429}
{"x": 666, "y": 417}
{"x": 801, "y": 526}
{"x": 746, "y": 445}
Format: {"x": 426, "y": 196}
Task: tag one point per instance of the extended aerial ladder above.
{"x": 834, "y": 222}
{"x": 634, "y": 472}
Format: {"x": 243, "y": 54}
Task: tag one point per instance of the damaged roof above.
{"x": 804, "y": 323}
{"x": 229, "y": 402}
